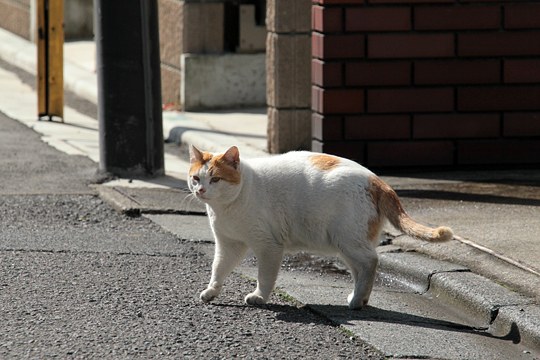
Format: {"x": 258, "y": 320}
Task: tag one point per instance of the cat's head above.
{"x": 214, "y": 178}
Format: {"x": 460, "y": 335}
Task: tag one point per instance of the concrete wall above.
{"x": 427, "y": 83}
{"x": 223, "y": 81}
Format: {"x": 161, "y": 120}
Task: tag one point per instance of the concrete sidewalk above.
{"x": 495, "y": 214}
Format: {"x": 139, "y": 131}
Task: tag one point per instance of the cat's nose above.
{"x": 201, "y": 191}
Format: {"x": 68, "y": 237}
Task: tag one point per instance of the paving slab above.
{"x": 194, "y": 228}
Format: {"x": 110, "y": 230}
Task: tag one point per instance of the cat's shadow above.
{"x": 342, "y": 315}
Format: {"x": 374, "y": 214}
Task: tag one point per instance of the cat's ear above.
{"x": 195, "y": 155}
{"x": 232, "y": 156}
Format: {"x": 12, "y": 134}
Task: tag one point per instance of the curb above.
{"x": 504, "y": 313}
{"x": 118, "y": 201}
{"x": 18, "y": 51}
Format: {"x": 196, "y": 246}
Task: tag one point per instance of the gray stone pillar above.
{"x": 288, "y": 75}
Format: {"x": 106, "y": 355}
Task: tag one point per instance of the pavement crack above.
{"x": 494, "y": 312}
{"x": 48, "y": 251}
{"x": 123, "y": 193}
{"x": 441, "y": 272}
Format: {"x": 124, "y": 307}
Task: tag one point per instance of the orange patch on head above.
{"x": 221, "y": 168}
{"x": 224, "y": 166}
{"x": 324, "y": 162}
{"x": 196, "y": 165}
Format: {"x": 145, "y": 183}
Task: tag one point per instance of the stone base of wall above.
{"x": 222, "y": 81}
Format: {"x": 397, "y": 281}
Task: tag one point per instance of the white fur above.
{"x": 285, "y": 203}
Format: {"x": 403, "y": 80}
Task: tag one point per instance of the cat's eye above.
{"x": 214, "y": 180}
{"x": 196, "y": 178}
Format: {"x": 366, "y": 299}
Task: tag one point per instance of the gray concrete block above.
{"x": 474, "y": 295}
{"x": 288, "y": 70}
{"x": 414, "y": 270}
{"x": 223, "y": 81}
{"x": 522, "y": 321}
{"x": 288, "y": 16}
{"x": 288, "y": 129}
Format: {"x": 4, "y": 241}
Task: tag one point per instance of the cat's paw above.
{"x": 209, "y": 294}
{"x": 356, "y": 304}
{"x": 254, "y": 299}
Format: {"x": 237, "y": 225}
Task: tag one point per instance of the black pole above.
{"x": 129, "y": 88}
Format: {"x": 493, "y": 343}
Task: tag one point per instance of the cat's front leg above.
{"x": 269, "y": 259}
{"x": 227, "y": 255}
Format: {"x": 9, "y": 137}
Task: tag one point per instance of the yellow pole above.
{"x": 41, "y": 59}
{"x": 50, "y": 78}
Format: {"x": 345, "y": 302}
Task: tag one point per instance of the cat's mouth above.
{"x": 201, "y": 197}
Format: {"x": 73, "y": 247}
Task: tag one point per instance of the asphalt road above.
{"x": 80, "y": 280}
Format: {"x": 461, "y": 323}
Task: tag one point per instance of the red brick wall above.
{"x": 427, "y": 82}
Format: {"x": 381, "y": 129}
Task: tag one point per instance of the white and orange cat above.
{"x": 296, "y": 201}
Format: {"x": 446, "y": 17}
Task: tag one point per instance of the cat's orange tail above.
{"x": 389, "y": 205}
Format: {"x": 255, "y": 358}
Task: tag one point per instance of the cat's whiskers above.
{"x": 188, "y": 198}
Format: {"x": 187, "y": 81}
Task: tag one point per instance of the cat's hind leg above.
{"x": 269, "y": 259}
{"x": 362, "y": 261}
{"x": 227, "y": 256}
